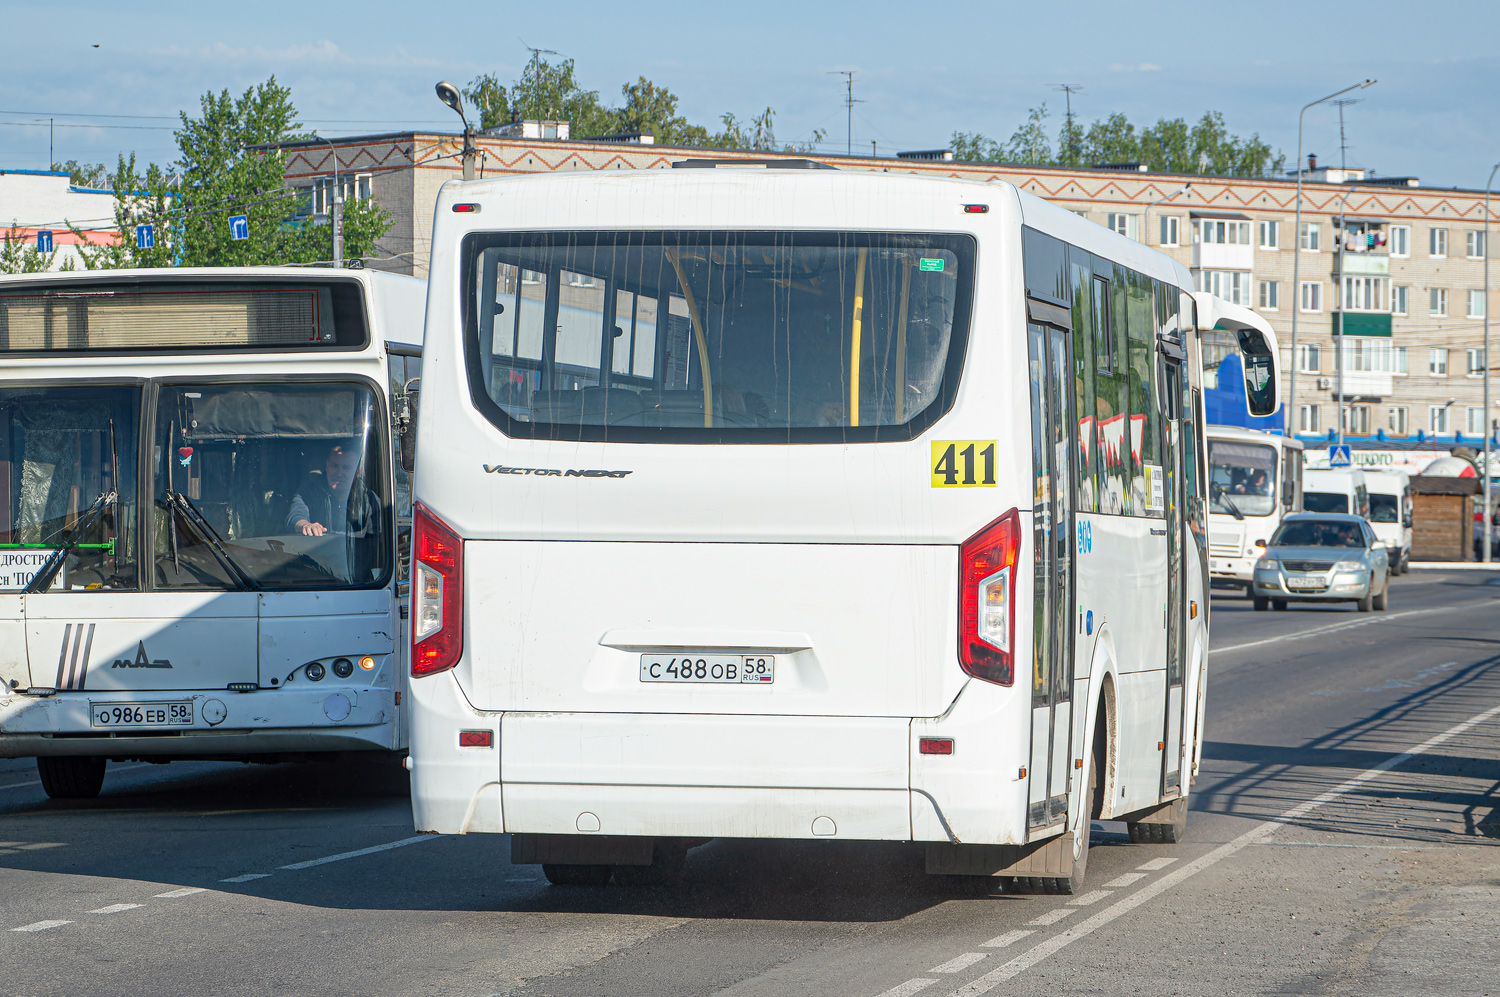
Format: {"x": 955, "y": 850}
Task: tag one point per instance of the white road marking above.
{"x": 115, "y": 908}
{"x": 1126, "y": 880}
{"x": 1051, "y": 917}
{"x": 1005, "y": 940}
{"x": 1255, "y": 835}
{"x": 1332, "y": 844}
{"x": 959, "y": 963}
{"x": 246, "y": 877}
{"x": 1334, "y": 628}
{"x": 41, "y": 925}
{"x": 910, "y": 987}
{"x": 415, "y": 839}
{"x": 1156, "y": 864}
{"x": 186, "y": 891}
{"x": 1091, "y": 897}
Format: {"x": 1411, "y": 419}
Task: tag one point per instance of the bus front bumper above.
{"x": 333, "y": 718}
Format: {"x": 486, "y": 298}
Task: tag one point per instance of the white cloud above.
{"x": 1145, "y": 67}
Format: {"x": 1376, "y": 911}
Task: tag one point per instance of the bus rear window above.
{"x": 716, "y": 336}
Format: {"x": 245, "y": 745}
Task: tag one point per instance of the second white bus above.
{"x": 1254, "y": 479}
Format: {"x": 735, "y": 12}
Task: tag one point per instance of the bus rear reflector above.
{"x": 476, "y": 738}
{"x": 437, "y": 594}
{"x": 935, "y": 745}
{"x": 987, "y": 600}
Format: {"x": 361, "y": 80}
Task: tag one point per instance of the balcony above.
{"x": 1364, "y": 384}
{"x": 1362, "y": 324}
{"x": 1222, "y": 256}
{"x": 1362, "y": 264}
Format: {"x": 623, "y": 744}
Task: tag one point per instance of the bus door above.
{"x": 1173, "y": 450}
{"x": 1053, "y": 428}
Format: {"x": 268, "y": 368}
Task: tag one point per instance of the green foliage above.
{"x": 1170, "y": 145}
{"x": 18, "y": 254}
{"x": 139, "y": 200}
{"x": 650, "y": 108}
{"x": 491, "y": 99}
{"x": 92, "y": 175}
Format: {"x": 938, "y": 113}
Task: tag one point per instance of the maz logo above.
{"x": 141, "y": 661}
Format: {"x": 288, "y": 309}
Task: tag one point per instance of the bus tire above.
{"x": 1383, "y": 598}
{"x": 576, "y": 875}
{"x": 72, "y": 778}
{"x": 1073, "y": 882}
{"x": 1262, "y": 603}
{"x": 1279, "y": 605}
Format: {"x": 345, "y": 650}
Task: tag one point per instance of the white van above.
{"x": 1390, "y": 514}
{"x": 1339, "y": 489}
{"x": 1254, "y": 479}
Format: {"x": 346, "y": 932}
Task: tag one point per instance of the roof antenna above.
{"x": 849, "y": 102}
{"x": 1069, "y": 89}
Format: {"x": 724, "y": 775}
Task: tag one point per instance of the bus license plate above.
{"x": 1305, "y": 583}
{"x": 723, "y": 668}
{"x": 142, "y": 714}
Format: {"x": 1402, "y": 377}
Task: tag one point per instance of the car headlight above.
{"x": 1351, "y": 566}
{"x": 1267, "y": 564}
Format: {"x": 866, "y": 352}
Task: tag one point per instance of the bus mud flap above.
{"x": 1050, "y": 858}
{"x": 1165, "y": 813}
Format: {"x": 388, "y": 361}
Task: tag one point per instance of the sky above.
{"x": 922, "y": 70}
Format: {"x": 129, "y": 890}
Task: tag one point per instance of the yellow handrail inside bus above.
{"x": 708, "y": 381}
{"x": 859, "y": 304}
{"x": 901, "y": 341}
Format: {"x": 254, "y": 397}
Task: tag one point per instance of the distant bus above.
{"x": 1254, "y": 479}
{"x": 199, "y": 515}
{"x": 795, "y": 503}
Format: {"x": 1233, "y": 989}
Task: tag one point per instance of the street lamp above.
{"x": 338, "y": 207}
{"x": 448, "y": 94}
{"x": 1343, "y": 299}
{"x": 1146, "y": 217}
{"x": 1291, "y": 402}
{"x": 1488, "y": 186}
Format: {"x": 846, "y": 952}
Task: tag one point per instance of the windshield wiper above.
{"x": 67, "y": 543}
{"x": 205, "y": 532}
{"x": 1221, "y": 496}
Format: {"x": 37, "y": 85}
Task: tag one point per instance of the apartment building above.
{"x": 1384, "y": 271}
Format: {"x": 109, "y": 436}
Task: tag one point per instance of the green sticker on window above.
{"x": 928, "y": 264}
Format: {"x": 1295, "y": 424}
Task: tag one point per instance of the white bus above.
{"x": 199, "y": 515}
{"x": 796, "y": 503}
{"x": 1254, "y": 479}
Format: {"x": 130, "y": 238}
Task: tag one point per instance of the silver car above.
{"x": 1322, "y": 557}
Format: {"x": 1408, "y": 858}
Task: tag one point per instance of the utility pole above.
{"x": 51, "y": 153}
{"x": 1486, "y": 425}
{"x": 1069, "y": 89}
{"x": 338, "y": 207}
{"x": 849, "y": 102}
{"x": 536, "y": 57}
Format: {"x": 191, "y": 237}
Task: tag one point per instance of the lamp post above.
{"x": 1146, "y": 217}
{"x": 1343, "y": 300}
{"x": 338, "y": 207}
{"x": 448, "y": 94}
{"x": 1291, "y": 402}
{"x": 1485, "y": 428}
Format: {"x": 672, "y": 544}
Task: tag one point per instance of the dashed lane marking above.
{"x": 41, "y": 925}
{"x": 959, "y": 963}
{"x": 1006, "y": 940}
{"x": 910, "y": 987}
{"x": 1156, "y": 864}
{"x": 415, "y": 839}
{"x": 1255, "y": 835}
{"x": 1126, "y": 880}
{"x": 186, "y": 891}
{"x": 115, "y": 908}
{"x": 1091, "y": 897}
{"x": 246, "y": 877}
{"x": 1052, "y": 916}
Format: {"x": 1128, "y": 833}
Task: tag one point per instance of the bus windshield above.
{"x": 270, "y": 485}
{"x": 709, "y": 336}
{"x": 1325, "y": 502}
{"x": 1385, "y": 508}
{"x": 1243, "y": 474}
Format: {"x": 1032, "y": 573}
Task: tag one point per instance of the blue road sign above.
{"x": 145, "y": 237}
{"x": 239, "y": 226}
{"x": 44, "y": 241}
{"x": 1339, "y": 456}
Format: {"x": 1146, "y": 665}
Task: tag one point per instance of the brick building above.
{"x": 1406, "y": 293}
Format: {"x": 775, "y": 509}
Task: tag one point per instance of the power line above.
{"x": 849, "y": 102}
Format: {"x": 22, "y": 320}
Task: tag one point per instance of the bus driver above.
{"x": 334, "y": 495}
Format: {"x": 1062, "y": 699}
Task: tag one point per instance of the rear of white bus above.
{"x": 651, "y": 604}
{"x": 198, "y": 549}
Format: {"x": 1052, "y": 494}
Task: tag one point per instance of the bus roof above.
{"x": 1252, "y": 436}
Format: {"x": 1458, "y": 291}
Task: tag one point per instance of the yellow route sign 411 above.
{"x": 963, "y": 463}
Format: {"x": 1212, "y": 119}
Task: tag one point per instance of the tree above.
{"x": 490, "y": 99}
{"x": 650, "y": 108}
{"x": 18, "y": 254}
{"x": 1029, "y": 144}
{"x": 92, "y": 175}
{"x": 139, "y": 200}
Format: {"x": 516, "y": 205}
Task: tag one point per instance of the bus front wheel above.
{"x": 71, "y": 778}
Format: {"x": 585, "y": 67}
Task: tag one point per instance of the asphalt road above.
{"x": 1342, "y": 842}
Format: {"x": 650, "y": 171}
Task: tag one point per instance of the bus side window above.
{"x": 1083, "y": 375}
{"x": 1144, "y": 426}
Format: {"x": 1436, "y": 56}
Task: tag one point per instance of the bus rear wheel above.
{"x": 71, "y": 778}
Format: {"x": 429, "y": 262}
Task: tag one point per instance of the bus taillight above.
{"x": 987, "y": 600}
{"x": 437, "y": 594}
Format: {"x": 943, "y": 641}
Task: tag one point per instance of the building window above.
{"x": 1268, "y": 295}
{"x": 1474, "y": 362}
{"x": 1474, "y": 420}
{"x": 1399, "y": 295}
{"x": 1399, "y": 421}
{"x": 1437, "y": 242}
{"x": 1221, "y": 232}
{"x": 1309, "y": 237}
{"x": 1231, "y": 285}
{"x": 1437, "y": 418}
{"x": 1369, "y": 353}
{"x": 1400, "y": 240}
{"x": 1398, "y": 360}
{"x": 1309, "y": 358}
{"x": 1364, "y": 294}
{"x": 1476, "y": 304}
{"x": 1311, "y": 296}
{"x": 1270, "y": 235}
{"x": 355, "y": 188}
{"x": 1170, "y": 230}
{"x": 1127, "y": 225}
{"x": 1474, "y": 244}
{"x": 1437, "y": 302}
{"x": 1308, "y": 420}
{"x": 1357, "y": 420}
{"x": 1080, "y": 212}
{"x": 1437, "y": 362}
